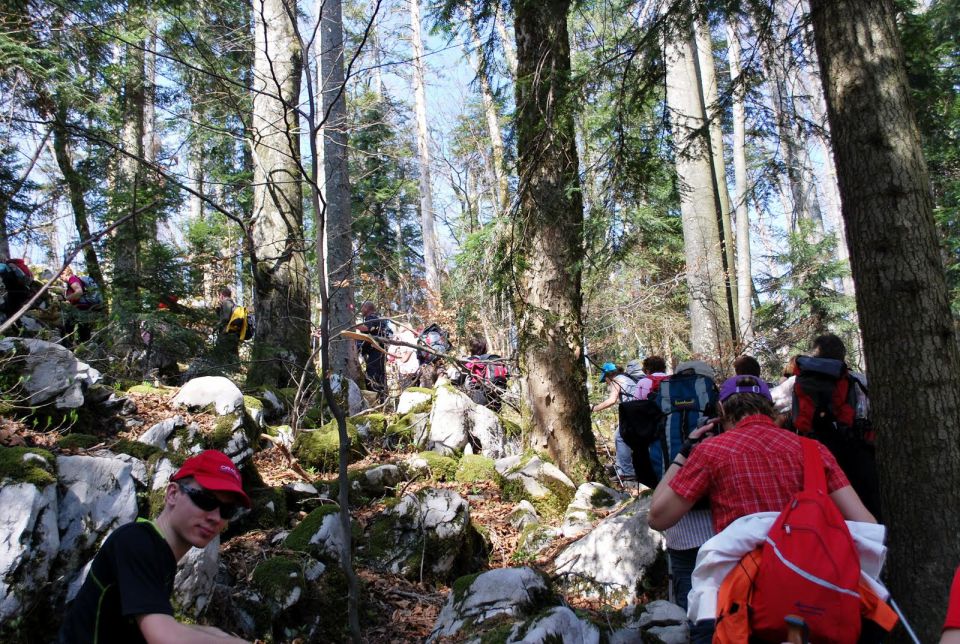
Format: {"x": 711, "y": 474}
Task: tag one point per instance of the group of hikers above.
{"x": 419, "y": 359}
{"x": 768, "y": 496}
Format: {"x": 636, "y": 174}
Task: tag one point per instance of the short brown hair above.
{"x": 746, "y": 366}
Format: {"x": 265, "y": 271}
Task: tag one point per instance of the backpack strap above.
{"x": 814, "y": 477}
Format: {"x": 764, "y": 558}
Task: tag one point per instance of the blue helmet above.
{"x": 608, "y": 367}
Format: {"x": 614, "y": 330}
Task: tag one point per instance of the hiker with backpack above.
{"x": 373, "y": 357}
{"x": 620, "y": 389}
{"x": 487, "y": 375}
{"x": 750, "y": 469}
{"x": 227, "y": 346}
{"x": 18, "y": 285}
{"x": 78, "y": 294}
{"x": 435, "y": 343}
{"x": 826, "y": 401}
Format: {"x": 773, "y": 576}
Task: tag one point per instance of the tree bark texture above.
{"x": 743, "y": 263}
{"x": 709, "y": 97}
{"x": 129, "y": 185}
{"x": 549, "y": 226}
{"x": 493, "y": 121}
{"x": 337, "y": 216}
{"x": 901, "y": 297}
{"x": 281, "y": 346}
{"x": 430, "y": 252}
{"x": 710, "y": 329}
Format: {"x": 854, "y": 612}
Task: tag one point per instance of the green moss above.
{"x": 320, "y": 449}
{"x": 277, "y": 577}
{"x": 422, "y": 408}
{"x": 377, "y": 423}
{"x": 77, "y": 441}
{"x": 550, "y": 506}
{"x": 223, "y": 431}
{"x": 250, "y": 402}
{"x": 474, "y": 468}
{"x": 13, "y": 468}
{"x": 275, "y": 430}
{"x": 401, "y": 429}
{"x": 601, "y": 498}
{"x": 299, "y": 537}
{"x": 462, "y": 585}
{"x": 510, "y": 428}
{"x": 421, "y": 390}
{"x": 146, "y": 388}
{"x": 135, "y": 449}
{"x": 442, "y": 468}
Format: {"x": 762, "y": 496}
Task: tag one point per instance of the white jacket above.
{"x": 720, "y": 554}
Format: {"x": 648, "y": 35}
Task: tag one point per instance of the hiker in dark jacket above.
{"x": 374, "y": 358}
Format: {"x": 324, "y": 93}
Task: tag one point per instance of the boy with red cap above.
{"x": 126, "y": 595}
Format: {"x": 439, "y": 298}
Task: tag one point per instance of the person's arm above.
{"x": 611, "y": 400}
{"x": 74, "y": 292}
{"x": 950, "y": 636}
{"x": 158, "y": 628}
{"x": 850, "y": 505}
{"x": 666, "y": 506}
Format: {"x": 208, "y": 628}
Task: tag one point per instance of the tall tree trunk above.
{"x": 710, "y": 325}
{"x": 151, "y": 140}
{"x": 430, "y": 251}
{"x": 493, "y": 119}
{"x": 707, "y": 74}
{"x": 337, "y": 222}
{"x": 128, "y": 189}
{"x": 75, "y": 191}
{"x": 506, "y": 42}
{"x": 901, "y": 296}
{"x": 281, "y": 346}
{"x": 743, "y": 264}
{"x": 550, "y": 233}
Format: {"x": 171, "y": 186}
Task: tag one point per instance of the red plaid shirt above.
{"x": 755, "y": 467}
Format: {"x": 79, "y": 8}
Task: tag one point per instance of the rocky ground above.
{"x": 458, "y": 535}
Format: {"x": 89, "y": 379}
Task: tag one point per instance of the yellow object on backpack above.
{"x": 238, "y": 322}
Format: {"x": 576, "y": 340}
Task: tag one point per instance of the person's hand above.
{"x": 710, "y": 428}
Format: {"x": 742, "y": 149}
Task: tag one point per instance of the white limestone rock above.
{"x": 449, "y": 421}
{"x": 375, "y": 481}
{"x": 433, "y": 524}
{"x": 51, "y": 373}
{"x": 355, "y": 400}
{"x": 410, "y": 400}
{"x": 611, "y": 560}
{"x": 523, "y": 514}
{"x": 196, "y": 575}
{"x": 29, "y": 541}
{"x": 99, "y": 495}
{"x": 503, "y": 591}
{"x": 218, "y": 391}
{"x": 557, "y": 624}
{"x": 591, "y": 502}
{"x": 160, "y": 433}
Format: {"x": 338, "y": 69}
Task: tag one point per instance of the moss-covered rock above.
{"x": 442, "y": 468}
{"x": 320, "y": 449}
{"x": 532, "y": 478}
{"x": 268, "y": 510}
{"x": 376, "y": 424}
{"x": 135, "y": 449}
{"x": 78, "y": 441}
{"x": 280, "y": 581}
{"x": 299, "y": 538}
{"x": 16, "y": 466}
{"x": 249, "y": 402}
{"x": 474, "y": 468}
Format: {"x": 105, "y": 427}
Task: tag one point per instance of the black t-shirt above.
{"x": 131, "y": 575}
{"x": 377, "y": 327}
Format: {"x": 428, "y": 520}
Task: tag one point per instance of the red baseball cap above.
{"x": 214, "y": 471}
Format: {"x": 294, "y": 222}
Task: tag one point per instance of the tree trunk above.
{"x": 493, "y": 120}
{"x": 75, "y": 190}
{"x": 281, "y": 296}
{"x": 151, "y": 141}
{"x": 128, "y": 188}
{"x": 707, "y": 74}
{"x": 902, "y": 298}
{"x": 710, "y": 325}
{"x": 550, "y": 232}
{"x": 337, "y": 221}
{"x": 506, "y": 42}
{"x": 430, "y": 251}
{"x": 743, "y": 264}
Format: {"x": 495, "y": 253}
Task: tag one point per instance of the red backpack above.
{"x": 810, "y": 567}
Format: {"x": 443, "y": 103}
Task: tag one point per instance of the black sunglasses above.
{"x": 208, "y": 502}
